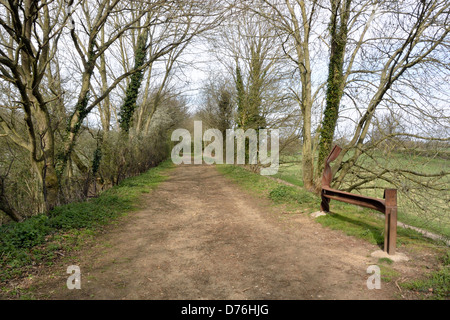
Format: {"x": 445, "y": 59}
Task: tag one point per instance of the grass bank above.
{"x": 353, "y": 221}
{"x": 41, "y": 238}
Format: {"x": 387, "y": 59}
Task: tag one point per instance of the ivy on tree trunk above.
{"x": 335, "y": 85}
{"x": 129, "y": 105}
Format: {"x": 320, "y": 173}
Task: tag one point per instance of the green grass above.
{"x": 364, "y": 224}
{"x": 434, "y": 215}
{"x": 290, "y": 196}
{"x": 39, "y": 238}
{"x": 385, "y": 261}
{"x": 290, "y": 170}
{"x": 388, "y": 273}
{"x": 248, "y": 180}
{"x": 436, "y": 285}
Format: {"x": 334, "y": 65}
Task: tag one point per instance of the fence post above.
{"x": 390, "y": 226}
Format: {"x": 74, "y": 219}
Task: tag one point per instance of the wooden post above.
{"x": 390, "y": 226}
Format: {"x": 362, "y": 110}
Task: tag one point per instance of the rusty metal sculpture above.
{"x": 388, "y": 206}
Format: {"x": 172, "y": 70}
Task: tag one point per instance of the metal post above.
{"x": 390, "y": 226}
{"x": 325, "y": 204}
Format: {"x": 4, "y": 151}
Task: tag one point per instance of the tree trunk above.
{"x": 335, "y": 82}
{"x": 4, "y": 204}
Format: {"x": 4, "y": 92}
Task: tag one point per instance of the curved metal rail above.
{"x": 388, "y": 205}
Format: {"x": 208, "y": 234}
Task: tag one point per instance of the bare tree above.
{"x": 218, "y": 109}
{"x": 31, "y": 32}
{"x": 43, "y": 42}
{"x": 293, "y": 21}
{"x": 387, "y": 65}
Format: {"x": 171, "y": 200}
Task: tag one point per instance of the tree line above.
{"x": 90, "y": 91}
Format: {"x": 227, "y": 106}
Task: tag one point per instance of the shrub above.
{"x": 18, "y": 241}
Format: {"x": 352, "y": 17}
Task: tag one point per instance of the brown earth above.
{"x": 200, "y": 236}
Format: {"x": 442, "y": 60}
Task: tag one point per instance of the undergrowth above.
{"x": 38, "y": 239}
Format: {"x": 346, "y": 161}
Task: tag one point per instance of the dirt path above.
{"x": 201, "y": 237}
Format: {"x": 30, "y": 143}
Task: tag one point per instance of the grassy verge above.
{"x": 42, "y": 238}
{"x": 436, "y": 285}
{"x": 290, "y": 196}
{"x": 353, "y": 221}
